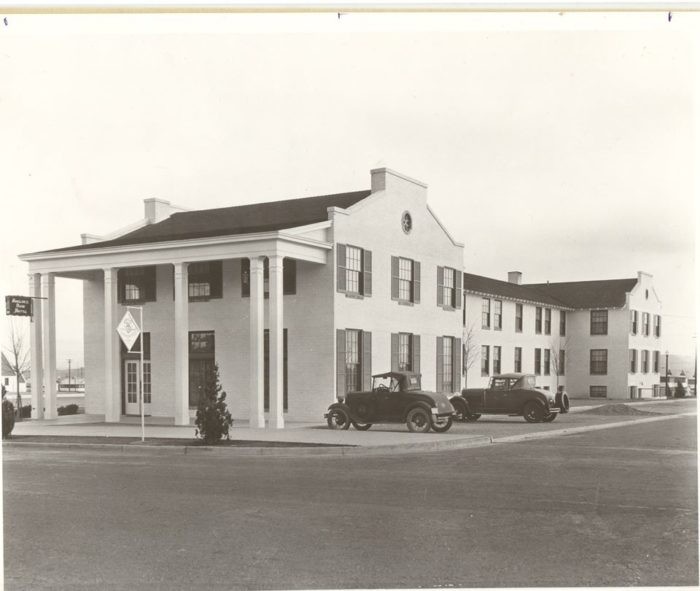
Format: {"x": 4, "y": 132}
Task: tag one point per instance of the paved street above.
{"x": 612, "y": 507}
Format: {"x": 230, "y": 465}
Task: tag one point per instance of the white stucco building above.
{"x": 598, "y": 339}
{"x": 297, "y": 302}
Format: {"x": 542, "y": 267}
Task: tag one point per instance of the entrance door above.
{"x": 132, "y": 375}
{"x": 199, "y": 368}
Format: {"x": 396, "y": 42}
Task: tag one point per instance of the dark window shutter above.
{"x": 340, "y": 363}
{"x": 438, "y": 373}
{"x": 394, "y": 351}
{"x": 289, "y": 277}
{"x": 456, "y": 364}
{"x": 120, "y": 286}
{"x": 416, "y": 282}
{"x": 439, "y": 287}
{"x": 458, "y": 288}
{"x": 394, "y": 278}
{"x": 367, "y": 272}
{"x": 415, "y": 352}
{"x": 366, "y": 360}
{"x": 245, "y": 278}
{"x": 216, "y": 279}
{"x": 342, "y": 279}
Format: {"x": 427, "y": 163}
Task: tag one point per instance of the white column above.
{"x": 112, "y": 371}
{"x": 276, "y": 343}
{"x": 48, "y": 343}
{"x": 181, "y": 361}
{"x": 257, "y": 319}
{"x": 36, "y": 361}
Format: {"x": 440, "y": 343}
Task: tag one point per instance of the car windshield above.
{"x": 500, "y": 383}
{"x": 385, "y": 383}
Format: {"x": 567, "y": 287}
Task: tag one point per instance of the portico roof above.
{"x": 231, "y": 221}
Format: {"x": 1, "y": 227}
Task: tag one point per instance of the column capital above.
{"x": 276, "y": 261}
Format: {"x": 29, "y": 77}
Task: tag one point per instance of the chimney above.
{"x": 90, "y": 238}
{"x": 515, "y": 277}
{"x": 156, "y": 210}
{"x": 385, "y": 179}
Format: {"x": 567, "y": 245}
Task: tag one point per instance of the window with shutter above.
{"x": 354, "y": 270}
{"x": 439, "y": 363}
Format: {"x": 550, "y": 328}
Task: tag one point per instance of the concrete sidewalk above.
{"x": 385, "y": 438}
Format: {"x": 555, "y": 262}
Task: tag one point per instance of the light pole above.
{"x": 69, "y": 374}
{"x": 667, "y": 374}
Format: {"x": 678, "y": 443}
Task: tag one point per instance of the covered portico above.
{"x": 92, "y": 260}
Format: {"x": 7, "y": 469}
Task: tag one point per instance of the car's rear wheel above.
{"x": 550, "y": 417}
{"x": 441, "y": 425}
{"x": 533, "y": 412}
{"x": 471, "y": 417}
{"x": 338, "y": 419}
{"x": 361, "y": 426}
{"x": 418, "y": 420}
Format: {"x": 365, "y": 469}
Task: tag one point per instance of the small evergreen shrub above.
{"x": 8, "y": 418}
{"x": 69, "y": 409}
{"x": 680, "y": 391}
{"x": 26, "y": 411}
{"x": 213, "y": 418}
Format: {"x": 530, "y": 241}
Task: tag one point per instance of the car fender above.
{"x": 457, "y": 402}
{"x": 419, "y": 404}
{"x": 342, "y": 406}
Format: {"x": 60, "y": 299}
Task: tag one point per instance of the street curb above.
{"x": 349, "y": 450}
{"x": 574, "y": 430}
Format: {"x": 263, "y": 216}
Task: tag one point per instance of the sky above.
{"x": 564, "y": 148}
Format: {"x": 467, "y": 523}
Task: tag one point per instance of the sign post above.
{"x": 129, "y": 331}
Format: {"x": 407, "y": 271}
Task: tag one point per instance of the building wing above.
{"x": 608, "y": 293}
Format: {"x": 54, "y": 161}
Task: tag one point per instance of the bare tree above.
{"x": 558, "y": 356}
{"x": 18, "y": 356}
{"x": 469, "y": 349}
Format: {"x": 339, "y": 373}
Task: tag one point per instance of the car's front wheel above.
{"x": 550, "y": 417}
{"x": 361, "y": 426}
{"x": 533, "y": 412}
{"x": 418, "y": 420}
{"x": 338, "y": 419}
{"x": 441, "y": 425}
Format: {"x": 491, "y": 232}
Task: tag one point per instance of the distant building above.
{"x": 603, "y": 338}
{"x": 9, "y": 379}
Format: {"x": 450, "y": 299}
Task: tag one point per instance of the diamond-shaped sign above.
{"x": 128, "y": 330}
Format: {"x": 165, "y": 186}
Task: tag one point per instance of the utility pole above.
{"x": 69, "y": 374}
{"x": 667, "y": 375}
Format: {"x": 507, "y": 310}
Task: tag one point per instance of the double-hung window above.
{"x": 497, "y": 315}
{"x": 633, "y": 321}
{"x": 562, "y": 323}
{"x": 656, "y": 361}
{"x": 204, "y": 280}
{"x": 599, "y": 362}
{"x": 657, "y": 325}
{"x": 518, "y": 318}
{"x": 136, "y": 284}
{"x": 449, "y": 356}
{"x": 449, "y": 288}
{"x": 354, "y": 272}
{"x": 599, "y": 322}
{"x": 538, "y": 362}
{"x": 645, "y": 324}
{"x": 645, "y": 361}
{"x": 485, "y": 313}
{"x": 547, "y": 321}
{"x": 405, "y": 280}
{"x": 633, "y": 360}
{"x": 547, "y": 361}
{"x": 484, "y": 360}
{"x": 496, "y": 360}
{"x": 561, "y": 363}
{"x": 353, "y": 360}
{"x": 518, "y": 360}
{"x": 538, "y": 320}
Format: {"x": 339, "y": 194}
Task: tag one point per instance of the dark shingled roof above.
{"x": 488, "y": 286}
{"x": 607, "y": 293}
{"x": 241, "y": 219}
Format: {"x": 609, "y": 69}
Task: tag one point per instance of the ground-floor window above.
{"x": 448, "y": 350}
{"x": 202, "y": 348}
{"x": 405, "y": 352}
{"x": 266, "y": 348}
{"x": 547, "y": 361}
{"x": 484, "y": 360}
{"x": 518, "y": 360}
{"x": 353, "y": 361}
{"x": 598, "y": 391}
{"x": 496, "y": 360}
{"x": 538, "y": 362}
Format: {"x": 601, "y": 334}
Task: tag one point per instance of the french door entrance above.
{"x": 199, "y": 368}
{"x": 132, "y": 375}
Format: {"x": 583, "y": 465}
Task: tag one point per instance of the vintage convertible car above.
{"x": 512, "y": 394}
{"x": 395, "y": 397}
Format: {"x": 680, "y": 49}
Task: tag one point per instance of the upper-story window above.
{"x": 136, "y": 284}
{"x": 634, "y": 318}
{"x": 497, "y": 315}
{"x": 599, "y": 362}
{"x": 289, "y": 277}
{"x": 656, "y": 361}
{"x": 562, "y": 323}
{"x": 645, "y": 361}
{"x": 518, "y": 318}
{"x": 657, "y": 325}
{"x": 485, "y": 313}
{"x": 354, "y": 270}
{"x": 204, "y": 280}
{"x": 538, "y": 320}
{"x": 547, "y": 321}
{"x": 645, "y": 324}
{"x": 405, "y": 280}
{"x": 449, "y": 287}
{"x": 599, "y": 322}
{"x": 633, "y": 360}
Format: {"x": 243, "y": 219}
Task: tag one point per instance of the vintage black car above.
{"x": 395, "y": 397}
{"x": 512, "y": 394}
